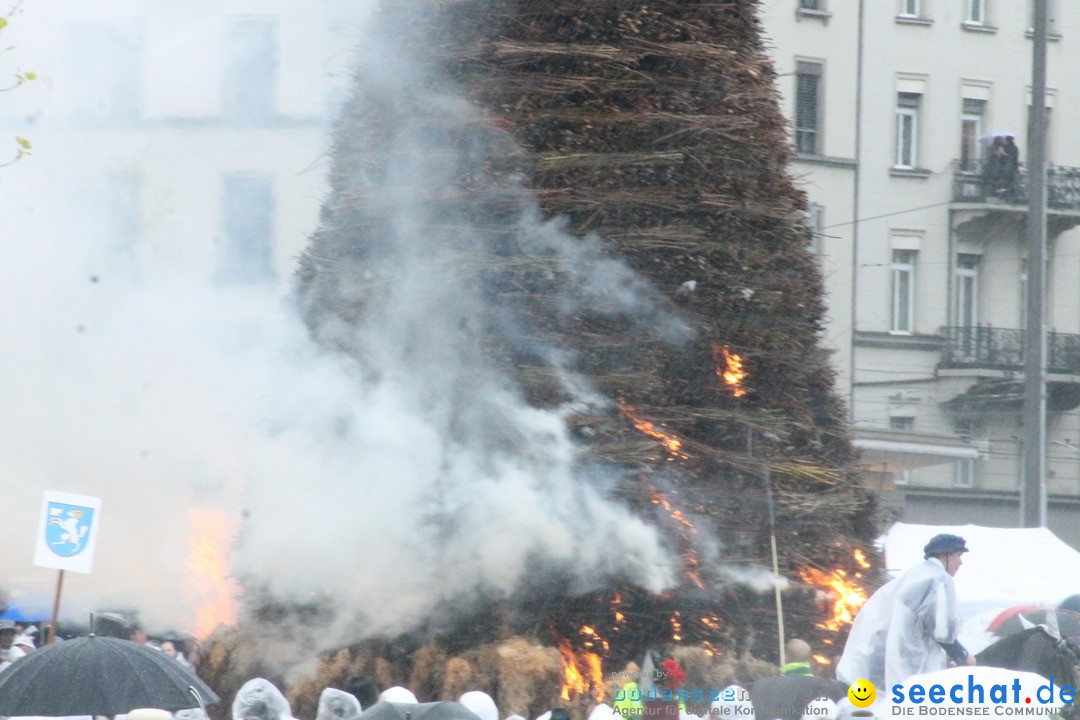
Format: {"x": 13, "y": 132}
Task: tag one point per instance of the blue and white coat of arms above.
{"x": 67, "y": 529}
{"x": 67, "y": 533}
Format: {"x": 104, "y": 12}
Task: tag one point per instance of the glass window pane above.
{"x": 251, "y": 68}
{"x": 903, "y": 299}
{"x": 808, "y": 109}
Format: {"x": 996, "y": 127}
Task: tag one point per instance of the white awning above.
{"x": 897, "y": 455}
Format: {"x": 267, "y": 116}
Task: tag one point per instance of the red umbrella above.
{"x": 1009, "y": 621}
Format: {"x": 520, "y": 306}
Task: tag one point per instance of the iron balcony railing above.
{"x": 972, "y": 184}
{"x": 994, "y": 348}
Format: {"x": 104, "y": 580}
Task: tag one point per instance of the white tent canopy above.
{"x": 1004, "y": 568}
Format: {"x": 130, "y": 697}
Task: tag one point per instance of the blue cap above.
{"x": 944, "y": 544}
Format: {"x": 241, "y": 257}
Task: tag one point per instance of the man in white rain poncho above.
{"x": 909, "y": 625}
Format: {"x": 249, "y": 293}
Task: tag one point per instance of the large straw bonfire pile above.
{"x": 655, "y": 126}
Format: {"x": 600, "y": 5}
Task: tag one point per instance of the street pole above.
{"x": 1033, "y": 492}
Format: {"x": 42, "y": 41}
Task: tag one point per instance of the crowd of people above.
{"x": 908, "y": 627}
{"x": 16, "y": 641}
{"x": 258, "y": 699}
{"x": 19, "y": 639}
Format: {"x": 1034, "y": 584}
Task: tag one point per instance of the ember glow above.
{"x": 730, "y": 372}
{"x": 846, "y": 596}
{"x": 670, "y": 442}
{"x": 208, "y": 585}
{"x": 676, "y": 627}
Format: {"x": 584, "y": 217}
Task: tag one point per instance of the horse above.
{"x": 1034, "y": 650}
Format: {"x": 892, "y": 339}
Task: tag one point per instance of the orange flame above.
{"x": 208, "y": 584}
{"x": 861, "y": 559}
{"x": 670, "y": 442}
{"x": 687, "y": 530}
{"x": 581, "y": 673}
{"x": 822, "y": 660}
{"x": 847, "y": 596}
{"x": 732, "y": 373}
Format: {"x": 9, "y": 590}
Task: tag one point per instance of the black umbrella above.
{"x": 98, "y": 676}
{"x": 418, "y": 711}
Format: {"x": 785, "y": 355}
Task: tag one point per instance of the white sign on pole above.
{"x": 67, "y": 532}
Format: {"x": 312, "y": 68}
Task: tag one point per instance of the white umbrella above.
{"x": 990, "y": 137}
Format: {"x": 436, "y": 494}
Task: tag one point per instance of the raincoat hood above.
{"x": 337, "y": 704}
{"x": 398, "y": 694}
{"x": 258, "y": 699}
{"x": 480, "y": 704}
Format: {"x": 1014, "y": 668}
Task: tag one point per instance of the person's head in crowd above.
{"x": 603, "y": 711}
{"x": 24, "y": 642}
{"x": 337, "y": 704}
{"x": 798, "y": 650}
{"x": 138, "y": 635}
{"x": 364, "y": 689}
{"x": 7, "y": 634}
{"x": 398, "y": 694}
{"x": 480, "y": 704}
{"x": 169, "y": 649}
{"x": 149, "y": 714}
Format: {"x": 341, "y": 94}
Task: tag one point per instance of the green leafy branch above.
{"x": 21, "y": 78}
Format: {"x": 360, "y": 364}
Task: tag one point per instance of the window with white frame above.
{"x": 971, "y": 129}
{"x": 808, "y": 86}
{"x": 967, "y": 304}
{"x": 910, "y": 8}
{"x": 250, "y": 76}
{"x": 813, "y": 221}
{"x": 902, "y": 478}
{"x": 903, "y": 290}
{"x": 901, "y": 422}
{"x": 907, "y": 129}
{"x": 967, "y": 291}
{"x": 965, "y": 473}
{"x": 975, "y": 12}
{"x": 121, "y": 195}
{"x": 247, "y": 239}
{"x": 107, "y": 59}
{"x": 811, "y": 4}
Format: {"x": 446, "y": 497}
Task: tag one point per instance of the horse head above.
{"x": 1035, "y": 650}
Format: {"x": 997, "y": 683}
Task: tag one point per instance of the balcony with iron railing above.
{"x": 995, "y": 348}
{"x": 973, "y": 184}
{"x": 996, "y": 357}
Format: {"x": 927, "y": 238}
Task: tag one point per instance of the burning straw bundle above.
{"x": 655, "y": 127}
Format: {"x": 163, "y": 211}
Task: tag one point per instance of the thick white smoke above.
{"x": 411, "y": 477}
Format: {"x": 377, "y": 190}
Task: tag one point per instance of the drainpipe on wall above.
{"x": 855, "y": 211}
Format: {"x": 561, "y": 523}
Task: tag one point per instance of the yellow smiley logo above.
{"x": 862, "y": 693}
